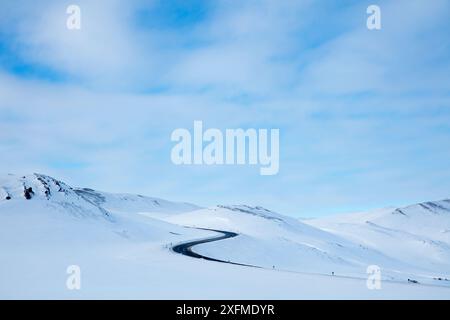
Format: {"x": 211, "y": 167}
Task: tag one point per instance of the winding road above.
{"x": 186, "y": 247}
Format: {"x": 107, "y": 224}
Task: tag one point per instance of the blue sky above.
{"x": 363, "y": 115}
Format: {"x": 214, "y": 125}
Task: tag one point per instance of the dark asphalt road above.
{"x": 186, "y": 248}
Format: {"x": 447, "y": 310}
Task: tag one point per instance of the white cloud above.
{"x": 269, "y": 54}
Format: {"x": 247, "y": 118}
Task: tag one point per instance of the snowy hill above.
{"x": 130, "y": 203}
{"x": 83, "y": 201}
{"x": 418, "y": 233}
{"x": 46, "y": 224}
{"x": 271, "y": 240}
{"x": 42, "y": 188}
{"x": 122, "y": 243}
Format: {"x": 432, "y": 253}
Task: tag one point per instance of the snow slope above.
{"x": 418, "y": 233}
{"x": 130, "y": 203}
{"x": 47, "y": 225}
{"x": 122, "y": 245}
{"x": 38, "y": 187}
{"x": 279, "y": 242}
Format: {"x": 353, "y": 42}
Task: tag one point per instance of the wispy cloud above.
{"x": 363, "y": 115}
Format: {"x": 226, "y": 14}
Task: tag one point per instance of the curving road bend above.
{"x": 186, "y": 247}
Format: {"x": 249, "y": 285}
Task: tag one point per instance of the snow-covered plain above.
{"x": 122, "y": 244}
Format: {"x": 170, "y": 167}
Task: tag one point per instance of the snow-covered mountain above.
{"x": 82, "y": 201}
{"x": 418, "y": 233}
{"x": 130, "y": 203}
{"x": 122, "y": 242}
{"x": 42, "y": 188}
{"x": 271, "y": 240}
{"x": 47, "y": 225}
